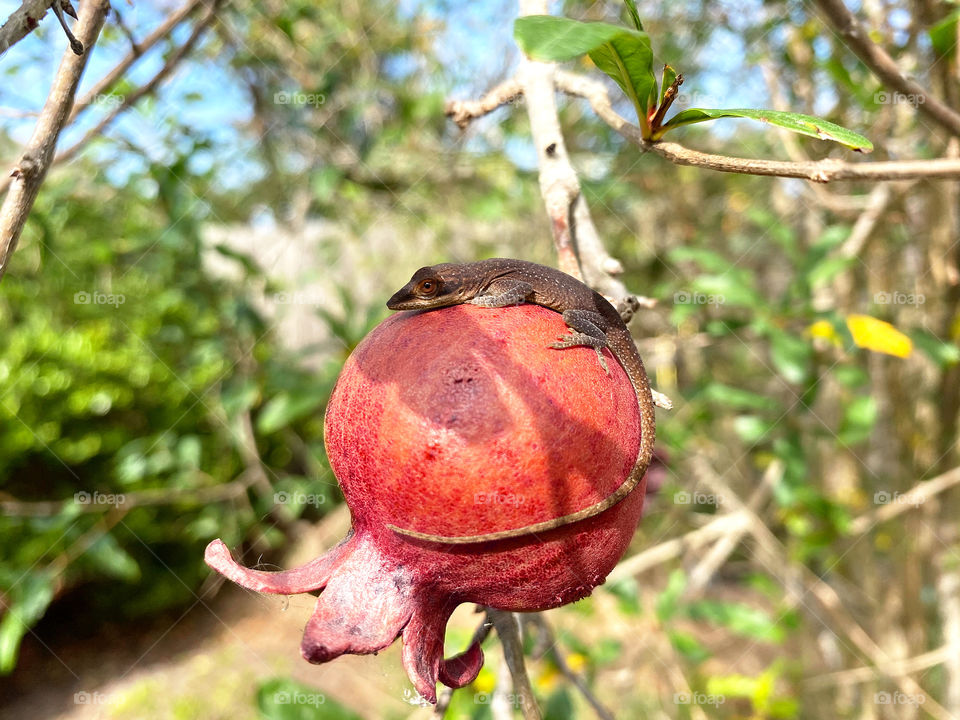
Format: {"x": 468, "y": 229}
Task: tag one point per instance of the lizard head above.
{"x": 435, "y": 286}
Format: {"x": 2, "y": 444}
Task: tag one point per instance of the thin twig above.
{"x": 675, "y": 547}
{"x": 552, "y": 650}
{"x": 145, "y": 89}
{"x": 910, "y": 500}
{"x": 508, "y": 630}
{"x": 884, "y": 67}
{"x": 462, "y": 112}
{"x": 32, "y": 167}
{"x": 702, "y": 573}
{"x": 137, "y": 51}
{"x": 156, "y": 496}
{"x": 906, "y": 666}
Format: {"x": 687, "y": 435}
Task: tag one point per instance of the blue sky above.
{"x": 475, "y": 47}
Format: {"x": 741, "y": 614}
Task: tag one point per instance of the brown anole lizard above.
{"x": 593, "y": 322}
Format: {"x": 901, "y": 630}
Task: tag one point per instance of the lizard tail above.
{"x": 608, "y": 502}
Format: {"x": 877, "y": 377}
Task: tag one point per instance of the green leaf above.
{"x": 827, "y": 269}
{"x": 790, "y": 355}
{"x": 943, "y": 35}
{"x": 859, "y": 417}
{"x": 733, "y": 398}
{"x": 795, "y": 122}
{"x": 30, "y": 599}
{"x": 945, "y": 354}
{"x": 286, "y": 699}
{"x": 751, "y": 428}
{"x": 669, "y": 75}
{"x": 623, "y": 54}
{"x": 668, "y": 602}
{"x": 627, "y": 592}
{"x": 284, "y": 408}
{"x": 559, "y": 705}
{"x": 112, "y": 560}
{"x": 739, "y": 618}
{"x": 634, "y": 15}
{"x": 688, "y": 646}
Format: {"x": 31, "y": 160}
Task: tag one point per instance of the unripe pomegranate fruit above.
{"x": 463, "y": 421}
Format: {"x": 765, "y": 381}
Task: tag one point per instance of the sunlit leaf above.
{"x": 634, "y": 15}
{"x": 943, "y": 35}
{"x": 879, "y": 336}
{"x": 623, "y": 54}
{"x": 795, "y": 122}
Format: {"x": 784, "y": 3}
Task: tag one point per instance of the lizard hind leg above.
{"x": 585, "y": 331}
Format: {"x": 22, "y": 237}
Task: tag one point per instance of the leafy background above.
{"x": 254, "y": 214}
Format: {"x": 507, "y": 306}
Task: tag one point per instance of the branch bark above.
{"x": 22, "y": 22}
{"x": 508, "y": 630}
{"x": 30, "y": 171}
{"x": 884, "y": 67}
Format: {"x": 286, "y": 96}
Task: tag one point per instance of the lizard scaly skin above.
{"x": 593, "y": 321}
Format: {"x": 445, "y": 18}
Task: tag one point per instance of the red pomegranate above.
{"x": 463, "y": 421}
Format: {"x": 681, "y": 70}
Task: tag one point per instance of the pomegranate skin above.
{"x": 463, "y": 421}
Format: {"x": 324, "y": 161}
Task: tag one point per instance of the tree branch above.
{"x": 138, "y": 49}
{"x": 22, "y": 22}
{"x": 884, "y": 67}
{"x": 822, "y": 171}
{"x": 508, "y": 630}
{"x": 30, "y": 171}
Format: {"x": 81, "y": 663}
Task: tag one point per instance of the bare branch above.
{"x": 145, "y": 89}
{"x": 910, "y": 500}
{"x": 30, "y": 171}
{"x": 137, "y": 51}
{"x": 884, "y": 67}
{"x": 508, "y": 630}
{"x": 22, "y": 22}
{"x": 822, "y": 171}
{"x": 464, "y": 111}
{"x": 553, "y": 652}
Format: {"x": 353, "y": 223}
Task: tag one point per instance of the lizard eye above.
{"x": 427, "y": 288}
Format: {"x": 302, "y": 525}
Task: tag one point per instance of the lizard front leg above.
{"x": 503, "y": 293}
{"x": 586, "y": 330}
